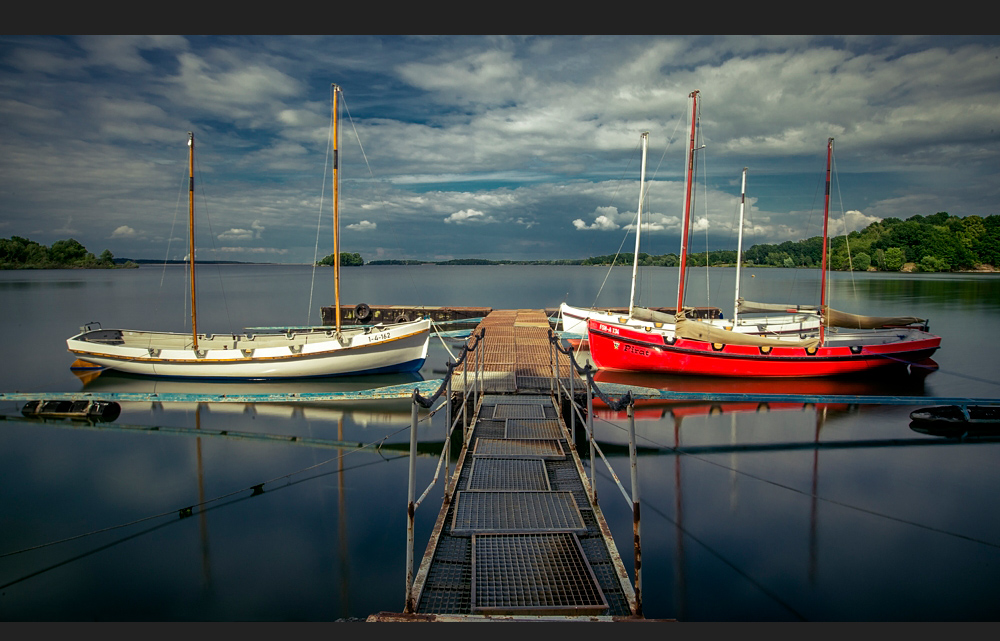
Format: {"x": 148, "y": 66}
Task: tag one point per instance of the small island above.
{"x": 22, "y": 253}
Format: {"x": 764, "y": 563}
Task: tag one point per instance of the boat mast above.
{"x": 826, "y": 219}
{"x": 687, "y": 201}
{"x": 638, "y": 220}
{"x": 194, "y": 307}
{"x": 739, "y": 247}
{"x": 336, "y": 208}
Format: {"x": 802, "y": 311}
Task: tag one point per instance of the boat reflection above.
{"x": 909, "y": 382}
{"x": 362, "y": 412}
{"x": 729, "y": 429}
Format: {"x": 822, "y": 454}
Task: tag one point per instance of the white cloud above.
{"x": 854, "y": 220}
{"x": 602, "y": 223}
{"x": 124, "y": 231}
{"x": 236, "y": 234}
{"x": 253, "y": 250}
{"x": 469, "y": 216}
{"x": 364, "y": 225}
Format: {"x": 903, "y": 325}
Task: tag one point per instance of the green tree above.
{"x": 933, "y": 264}
{"x": 67, "y": 252}
{"x": 346, "y": 260}
{"x": 862, "y": 262}
{"x": 894, "y": 259}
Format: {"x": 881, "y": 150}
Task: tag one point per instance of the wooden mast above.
{"x": 826, "y": 220}
{"x": 687, "y": 202}
{"x": 194, "y": 306}
{"x": 638, "y": 220}
{"x": 336, "y": 209}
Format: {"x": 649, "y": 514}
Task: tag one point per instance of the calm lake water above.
{"x": 878, "y": 523}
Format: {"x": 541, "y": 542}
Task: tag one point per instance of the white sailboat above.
{"x": 574, "y": 319}
{"x": 296, "y": 353}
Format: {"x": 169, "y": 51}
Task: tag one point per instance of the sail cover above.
{"x": 749, "y": 307}
{"x": 652, "y": 316}
{"x": 833, "y": 318}
{"x": 698, "y": 331}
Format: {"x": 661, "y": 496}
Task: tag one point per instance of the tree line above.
{"x": 939, "y": 242}
{"x": 22, "y": 253}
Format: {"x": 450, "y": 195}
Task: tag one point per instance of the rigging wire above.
{"x": 847, "y": 232}
{"x": 162, "y": 525}
{"x": 256, "y": 487}
{"x": 650, "y": 184}
{"x": 215, "y": 249}
{"x": 614, "y": 195}
{"x": 757, "y": 584}
{"x": 704, "y": 187}
{"x": 319, "y": 217}
{"x": 409, "y": 272}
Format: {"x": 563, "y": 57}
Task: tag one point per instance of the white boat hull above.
{"x": 371, "y": 350}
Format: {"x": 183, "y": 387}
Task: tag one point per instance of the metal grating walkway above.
{"x": 519, "y": 535}
{"x": 506, "y": 512}
{"x": 531, "y": 573}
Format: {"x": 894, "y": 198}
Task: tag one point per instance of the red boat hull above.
{"x": 618, "y": 347}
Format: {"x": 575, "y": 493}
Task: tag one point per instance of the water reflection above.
{"x": 762, "y": 498}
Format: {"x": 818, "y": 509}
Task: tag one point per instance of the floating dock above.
{"x": 518, "y": 536}
{"x": 365, "y": 314}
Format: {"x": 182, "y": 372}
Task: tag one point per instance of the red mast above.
{"x": 687, "y": 201}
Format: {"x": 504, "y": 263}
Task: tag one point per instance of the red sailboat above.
{"x": 692, "y": 347}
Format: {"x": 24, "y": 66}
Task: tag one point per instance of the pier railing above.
{"x": 626, "y": 402}
{"x": 475, "y": 392}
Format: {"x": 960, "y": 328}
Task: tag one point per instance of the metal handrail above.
{"x": 627, "y": 401}
{"x": 421, "y": 401}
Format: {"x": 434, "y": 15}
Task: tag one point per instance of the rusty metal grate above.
{"x": 533, "y": 428}
{"x": 519, "y": 448}
{"x": 494, "y": 512}
{"x": 543, "y": 574}
{"x": 519, "y": 410}
{"x": 508, "y": 474}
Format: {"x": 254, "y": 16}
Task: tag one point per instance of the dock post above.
{"x": 633, "y": 461}
{"x": 572, "y": 397}
{"x": 410, "y": 507}
{"x": 554, "y": 381}
{"x": 590, "y": 431}
{"x": 447, "y": 430}
{"x": 465, "y": 396}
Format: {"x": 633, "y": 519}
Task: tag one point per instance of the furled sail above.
{"x": 833, "y": 318}
{"x": 699, "y": 331}
{"x": 749, "y": 307}
{"x": 652, "y": 316}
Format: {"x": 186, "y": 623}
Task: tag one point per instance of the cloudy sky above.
{"x": 484, "y": 146}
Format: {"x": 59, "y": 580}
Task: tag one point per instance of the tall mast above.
{"x": 336, "y": 207}
{"x": 638, "y": 220}
{"x": 689, "y": 178}
{"x": 826, "y": 219}
{"x": 194, "y": 307}
{"x": 739, "y": 247}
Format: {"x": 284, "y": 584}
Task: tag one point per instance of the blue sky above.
{"x": 483, "y": 146}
